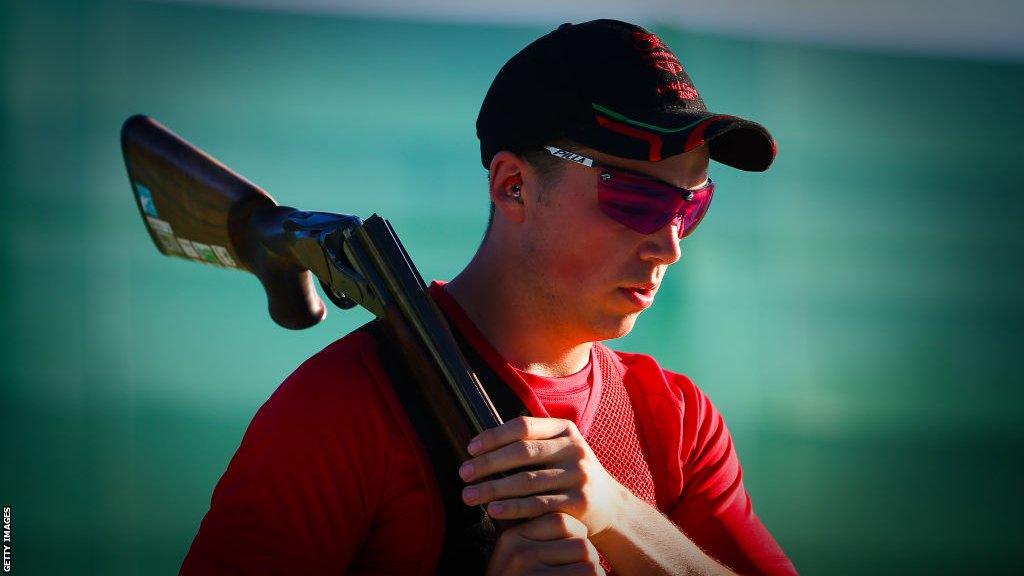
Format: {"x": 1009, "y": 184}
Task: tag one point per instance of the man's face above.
{"x": 592, "y": 275}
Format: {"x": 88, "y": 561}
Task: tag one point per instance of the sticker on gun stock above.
{"x": 206, "y": 254}
{"x": 146, "y": 200}
{"x": 186, "y": 247}
{"x": 169, "y": 243}
{"x": 224, "y": 255}
{"x": 159, "y": 225}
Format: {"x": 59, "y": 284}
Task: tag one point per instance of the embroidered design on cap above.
{"x": 660, "y": 57}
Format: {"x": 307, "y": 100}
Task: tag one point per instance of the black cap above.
{"x": 613, "y": 87}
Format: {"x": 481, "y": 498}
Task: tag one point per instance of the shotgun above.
{"x": 196, "y": 208}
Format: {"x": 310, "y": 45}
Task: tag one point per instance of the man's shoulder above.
{"x": 642, "y": 371}
{"x": 664, "y": 392}
{"x": 345, "y": 378}
{"x": 352, "y": 354}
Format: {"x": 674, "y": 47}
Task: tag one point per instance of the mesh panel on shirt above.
{"x": 614, "y": 437}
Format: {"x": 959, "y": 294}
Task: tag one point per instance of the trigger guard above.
{"x": 339, "y": 299}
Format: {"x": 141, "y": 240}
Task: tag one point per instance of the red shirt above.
{"x": 330, "y": 477}
{"x": 572, "y": 397}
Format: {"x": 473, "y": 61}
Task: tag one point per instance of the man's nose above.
{"x": 662, "y": 246}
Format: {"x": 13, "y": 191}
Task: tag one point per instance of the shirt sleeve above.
{"x": 714, "y": 509}
{"x": 308, "y": 491}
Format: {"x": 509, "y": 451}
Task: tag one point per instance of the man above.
{"x": 598, "y": 147}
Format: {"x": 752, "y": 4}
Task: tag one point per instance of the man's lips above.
{"x": 641, "y": 295}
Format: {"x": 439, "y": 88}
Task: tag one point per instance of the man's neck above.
{"x": 522, "y": 335}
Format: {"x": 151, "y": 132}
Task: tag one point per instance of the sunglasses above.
{"x": 643, "y": 203}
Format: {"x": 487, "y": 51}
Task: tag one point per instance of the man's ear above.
{"x": 508, "y": 185}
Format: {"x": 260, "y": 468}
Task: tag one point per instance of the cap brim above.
{"x": 741, "y": 144}
{"x": 734, "y": 141}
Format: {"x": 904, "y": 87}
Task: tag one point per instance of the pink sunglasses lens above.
{"x": 696, "y": 209}
{"x": 646, "y": 205}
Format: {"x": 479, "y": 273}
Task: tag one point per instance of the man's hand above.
{"x": 563, "y": 474}
{"x": 548, "y": 544}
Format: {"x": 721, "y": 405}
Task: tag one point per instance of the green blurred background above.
{"x": 855, "y": 312}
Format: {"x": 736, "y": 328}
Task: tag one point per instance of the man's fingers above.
{"x": 577, "y": 569}
{"x": 550, "y": 544}
{"x": 519, "y": 484}
{"x": 551, "y": 527}
{"x": 564, "y": 551}
{"x": 519, "y": 454}
{"x": 531, "y": 507}
{"x": 521, "y": 428}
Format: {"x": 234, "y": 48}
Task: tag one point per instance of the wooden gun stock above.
{"x": 196, "y": 208}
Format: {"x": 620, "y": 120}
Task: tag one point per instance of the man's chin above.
{"x": 618, "y": 327}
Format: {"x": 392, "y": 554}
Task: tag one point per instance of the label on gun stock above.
{"x": 186, "y": 247}
{"x": 164, "y": 234}
{"x": 169, "y": 243}
{"x": 159, "y": 225}
{"x": 146, "y": 200}
{"x": 224, "y": 255}
{"x": 206, "y": 254}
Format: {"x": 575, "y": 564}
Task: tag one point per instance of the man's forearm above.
{"x": 644, "y": 541}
